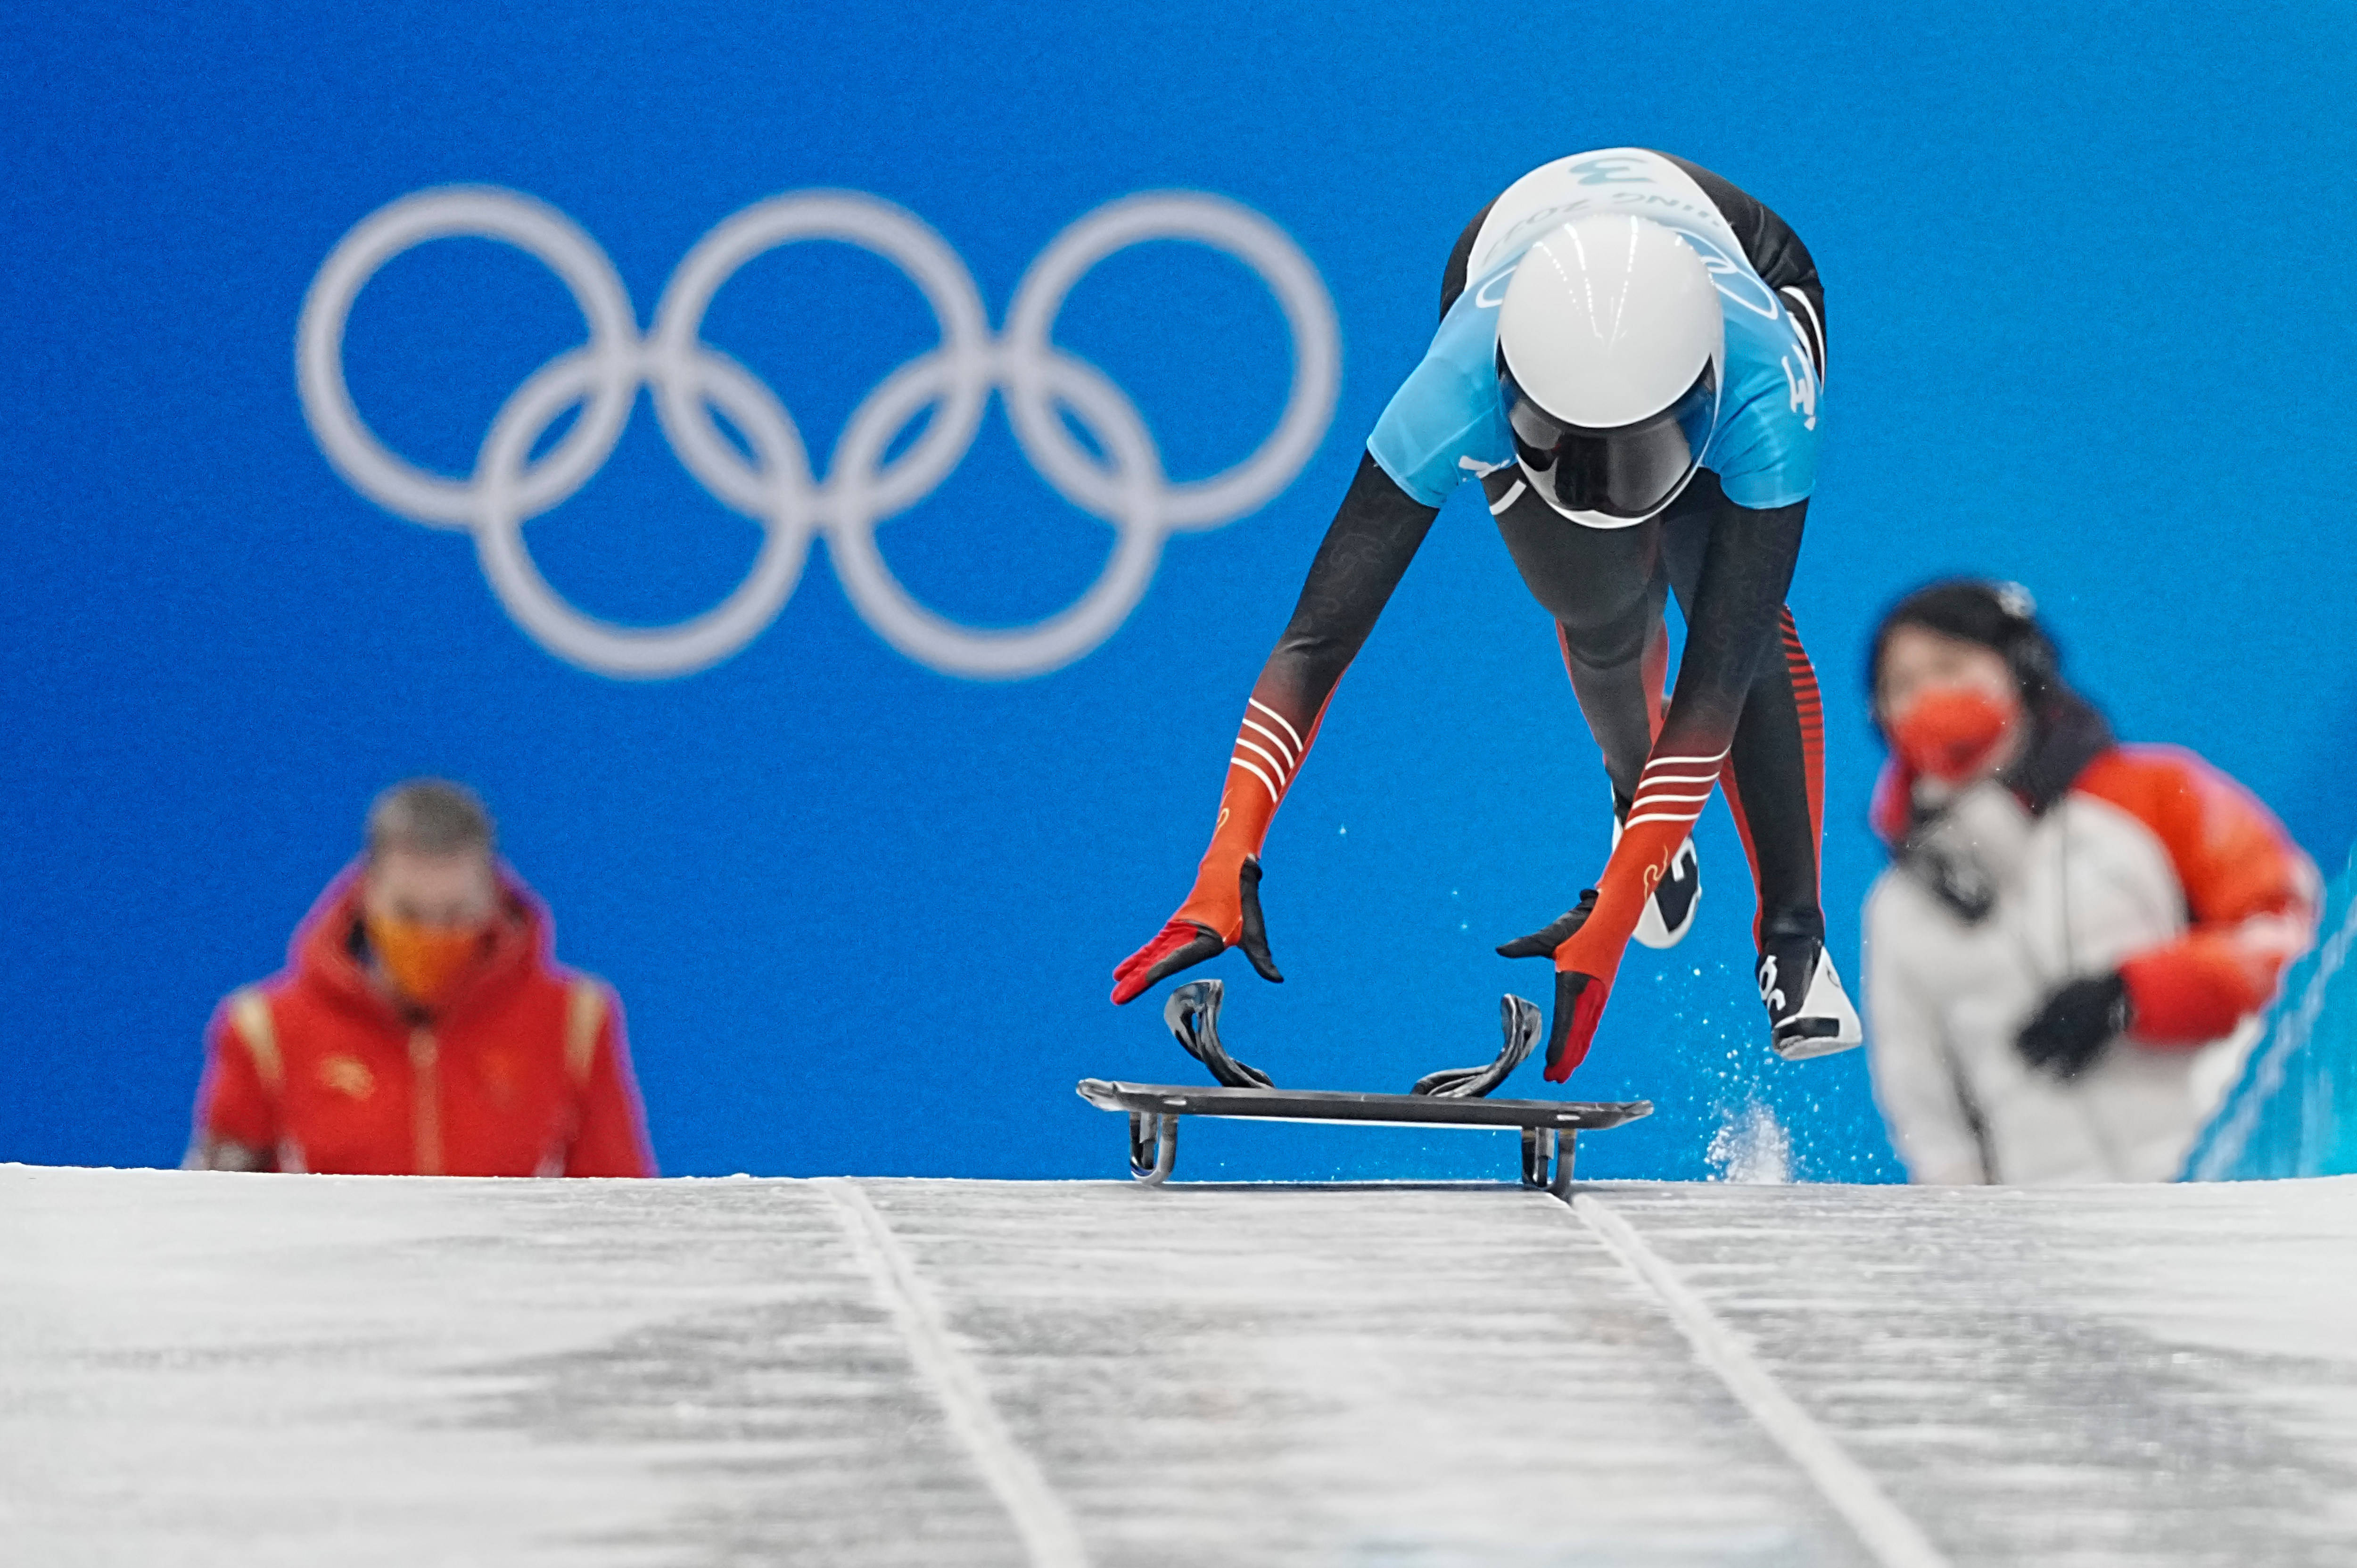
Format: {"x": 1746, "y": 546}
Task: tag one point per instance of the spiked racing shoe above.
{"x": 1808, "y": 1017}
{"x": 1670, "y": 912}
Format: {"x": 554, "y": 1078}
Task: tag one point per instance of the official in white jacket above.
{"x": 2072, "y": 947}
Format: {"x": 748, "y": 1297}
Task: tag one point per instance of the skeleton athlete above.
{"x": 1630, "y": 357}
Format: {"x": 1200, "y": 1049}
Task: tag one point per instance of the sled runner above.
{"x": 1548, "y": 1125}
{"x": 1450, "y": 1097}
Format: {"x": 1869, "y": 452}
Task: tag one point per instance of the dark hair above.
{"x": 432, "y": 816}
{"x": 2000, "y": 617}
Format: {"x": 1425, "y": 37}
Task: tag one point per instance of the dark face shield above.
{"x": 1629, "y": 473}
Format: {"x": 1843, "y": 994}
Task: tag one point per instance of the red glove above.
{"x": 1186, "y": 940}
{"x": 1579, "y": 993}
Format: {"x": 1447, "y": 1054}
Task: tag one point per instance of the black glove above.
{"x": 2077, "y": 1022}
{"x": 1542, "y": 944}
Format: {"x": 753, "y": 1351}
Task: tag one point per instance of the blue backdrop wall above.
{"x": 2085, "y": 327}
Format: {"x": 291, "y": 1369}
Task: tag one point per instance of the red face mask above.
{"x": 1949, "y": 733}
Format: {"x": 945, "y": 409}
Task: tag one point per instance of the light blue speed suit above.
{"x": 1725, "y": 546}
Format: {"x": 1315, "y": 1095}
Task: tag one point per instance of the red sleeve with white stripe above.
{"x": 1375, "y": 533}
{"x": 1270, "y": 746}
{"x": 1677, "y": 785}
{"x": 1730, "y": 626}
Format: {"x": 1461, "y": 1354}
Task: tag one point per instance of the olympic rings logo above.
{"x": 1123, "y": 483}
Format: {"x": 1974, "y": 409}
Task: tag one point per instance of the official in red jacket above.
{"x": 2075, "y": 940}
{"x": 422, "y": 1026}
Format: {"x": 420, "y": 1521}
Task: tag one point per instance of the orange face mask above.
{"x": 1950, "y": 732}
{"x": 425, "y": 962}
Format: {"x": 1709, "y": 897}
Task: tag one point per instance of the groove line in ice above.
{"x": 1889, "y": 1537}
{"x": 1051, "y": 1538}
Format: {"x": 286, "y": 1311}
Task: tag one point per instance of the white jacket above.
{"x": 2152, "y": 864}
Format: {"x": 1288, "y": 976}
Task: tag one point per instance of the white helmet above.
{"x": 1610, "y": 345}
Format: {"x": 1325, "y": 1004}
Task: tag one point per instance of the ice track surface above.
{"x": 260, "y": 1370}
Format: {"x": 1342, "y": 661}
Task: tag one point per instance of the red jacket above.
{"x": 523, "y": 1072}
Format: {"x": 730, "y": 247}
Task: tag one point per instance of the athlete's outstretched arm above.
{"x": 1747, "y": 568}
{"x": 1373, "y": 536}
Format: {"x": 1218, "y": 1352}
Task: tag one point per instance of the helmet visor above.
{"x": 1630, "y": 472}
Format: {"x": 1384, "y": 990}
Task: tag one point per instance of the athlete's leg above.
{"x": 1623, "y": 721}
{"x": 1774, "y": 773}
{"x": 1604, "y": 589}
{"x": 1734, "y": 579}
